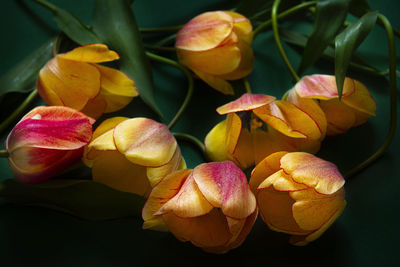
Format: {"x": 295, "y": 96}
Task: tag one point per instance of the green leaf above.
{"x": 22, "y": 77}
{"x": 359, "y": 7}
{"x": 82, "y": 198}
{"x": 115, "y": 23}
{"x": 347, "y": 42}
{"x": 329, "y": 17}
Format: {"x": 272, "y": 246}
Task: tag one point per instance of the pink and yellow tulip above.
{"x": 46, "y": 141}
{"x": 216, "y": 46}
{"x": 132, "y": 155}
{"x": 211, "y": 206}
{"x": 354, "y": 108}
{"x": 298, "y": 194}
{"x": 74, "y": 80}
{"x": 258, "y": 125}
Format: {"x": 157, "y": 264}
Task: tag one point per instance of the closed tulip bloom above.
{"x": 354, "y": 108}
{"x": 258, "y": 125}
{"x": 211, "y": 206}
{"x": 298, "y": 194}
{"x": 216, "y": 46}
{"x": 74, "y": 80}
{"x": 132, "y": 155}
{"x": 46, "y": 141}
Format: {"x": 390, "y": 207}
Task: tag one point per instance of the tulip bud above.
{"x": 211, "y": 206}
{"x": 132, "y": 155}
{"x": 299, "y": 194}
{"x": 46, "y": 141}
{"x": 74, "y": 80}
{"x": 216, "y": 46}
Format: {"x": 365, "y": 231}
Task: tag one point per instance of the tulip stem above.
{"x": 247, "y": 85}
{"x": 160, "y": 48}
{"x": 18, "y": 111}
{"x": 47, "y": 5}
{"x": 190, "y": 83}
{"x": 161, "y": 29}
{"x": 4, "y": 153}
{"x": 277, "y": 39}
{"x": 193, "y": 140}
{"x": 283, "y": 15}
{"x": 393, "y": 99}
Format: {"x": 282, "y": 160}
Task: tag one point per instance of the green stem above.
{"x": 56, "y": 44}
{"x": 190, "y": 84}
{"x": 17, "y": 112}
{"x": 47, "y": 5}
{"x": 166, "y": 40}
{"x": 278, "y": 41}
{"x": 160, "y": 48}
{"x": 161, "y": 29}
{"x": 4, "y": 154}
{"x": 193, "y": 140}
{"x": 247, "y": 85}
{"x": 283, "y": 15}
{"x": 393, "y": 99}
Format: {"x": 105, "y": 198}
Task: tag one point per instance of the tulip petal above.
{"x": 361, "y": 100}
{"x": 205, "y": 231}
{"x": 312, "y": 171}
{"x": 340, "y": 117}
{"x": 188, "y": 202}
{"x": 248, "y": 225}
{"x": 243, "y": 155}
{"x": 95, "y": 107}
{"x": 225, "y": 59}
{"x": 107, "y": 125}
{"x": 233, "y": 130}
{"x": 56, "y": 113}
{"x": 205, "y": 31}
{"x": 246, "y": 102}
{"x": 242, "y": 27}
{"x": 114, "y": 170}
{"x": 145, "y": 142}
{"x": 322, "y": 87}
{"x": 214, "y": 142}
{"x": 246, "y": 63}
{"x": 117, "y": 89}
{"x": 91, "y": 53}
{"x": 215, "y": 82}
{"x": 156, "y": 224}
{"x": 73, "y": 82}
{"x": 225, "y": 186}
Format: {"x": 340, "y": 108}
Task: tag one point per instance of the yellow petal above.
{"x": 156, "y": 224}
{"x": 113, "y": 169}
{"x": 215, "y": 82}
{"x": 361, "y": 100}
{"x": 117, "y": 89}
{"x": 145, "y": 142}
{"x": 246, "y": 63}
{"x": 91, "y": 53}
{"x": 205, "y": 31}
{"x": 243, "y": 155}
{"x": 95, "y": 107}
{"x": 339, "y": 116}
{"x": 107, "y": 125}
{"x": 242, "y": 27}
{"x": 73, "y": 82}
{"x": 245, "y": 103}
{"x": 214, "y": 142}
{"x": 233, "y": 130}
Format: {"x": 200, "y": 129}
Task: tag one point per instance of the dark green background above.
{"x": 367, "y": 233}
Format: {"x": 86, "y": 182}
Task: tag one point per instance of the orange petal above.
{"x": 233, "y": 130}
{"x": 225, "y": 186}
{"x": 95, "y": 107}
{"x": 215, "y": 82}
{"x": 164, "y": 191}
{"x": 242, "y": 27}
{"x": 243, "y": 155}
{"x": 145, "y": 142}
{"x": 339, "y": 116}
{"x": 217, "y": 61}
{"x": 214, "y": 142}
{"x": 73, "y": 82}
{"x": 361, "y": 99}
{"x": 245, "y": 102}
{"x": 113, "y": 169}
{"x": 205, "y": 31}
{"x": 91, "y": 53}
{"x": 246, "y": 63}
{"x": 312, "y": 171}
{"x": 205, "y": 231}
{"x": 117, "y": 89}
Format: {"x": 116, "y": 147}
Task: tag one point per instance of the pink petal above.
{"x": 245, "y": 102}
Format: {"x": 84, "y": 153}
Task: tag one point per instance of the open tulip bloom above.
{"x": 74, "y": 80}
{"x": 216, "y": 46}
{"x": 258, "y": 125}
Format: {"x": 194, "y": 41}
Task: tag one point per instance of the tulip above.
{"x": 353, "y": 109}
{"x": 216, "y": 46}
{"x": 74, "y": 80}
{"x": 211, "y": 206}
{"x": 46, "y": 141}
{"x": 298, "y": 194}
{"x": 132, "y": 155}
{"x": 258, "y": 125}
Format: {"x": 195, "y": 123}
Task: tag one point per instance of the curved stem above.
{"x": 247, "y": 85}
{"x": 4, "y": 153}
{"x": 283, "y": 15}
{"x": 277, "y": 40}
{"x": 18, "y": 111}
{"x": 160, "y": 48}
{"x": 393, "y": 99}
{"x": 161, "y": 29}
{"x": 56, "y": 44}
{"x": 193, "y": 140}
{"x": 190, "y": 84}
{"x": 47, "y": 5}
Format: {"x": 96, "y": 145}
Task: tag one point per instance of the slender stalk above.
{"x": 56, "y": 44}
{"x": 47, "y": 5}
{"x": 166, "y": 40}
{"x": 160, "y": 48}
{"x": 161, "y": 29}
{"x": 247, "y": 85}
{"x": 393, "y": 99}
{"x": 278, "y": 41}
{"x": 283, "y": 15}
{"x": 18, "y": 111}
{"x": 193, "y": 140}
{"x": 190, "y": 83}
{"x": 4, "y": 153}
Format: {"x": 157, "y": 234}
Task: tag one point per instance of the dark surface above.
{"x": 365, "y": 235}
